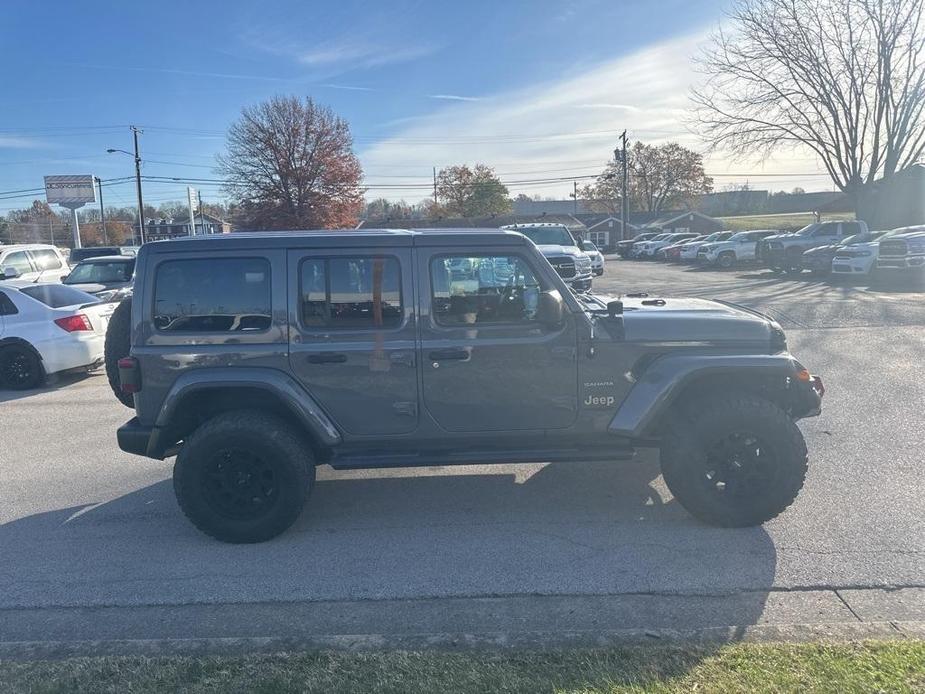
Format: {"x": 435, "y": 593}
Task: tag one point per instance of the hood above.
{"x": 685, "y": 320}
{"x": 775, "y": 237}
{"x": 560, "y": 250}
{"x": 908, "y": 236}
{"x": 829, "y": 247}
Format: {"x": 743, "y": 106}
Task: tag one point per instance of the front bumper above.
{"x": 908, "y": 263}
{"x": 851, "y": 266}
{"x": 581, "y": 283}
{"x": 806, "y": 397}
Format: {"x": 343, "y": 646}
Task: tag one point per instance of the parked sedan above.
{"x": 48, "y": 328}
{"x": 818, "y": 260}
{"x": 108, "y": 277}
{"x": 672, "y": 253}
{"x": 859, "y": 259}
{"x": 597, "y": 258}
{"x": 648, "y": 249}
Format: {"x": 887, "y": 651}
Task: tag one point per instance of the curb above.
{"x": 230, "y": 646}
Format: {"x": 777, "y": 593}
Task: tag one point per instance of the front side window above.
{"x": 17, "y": 260}
{"x": 351, "y": 293}
{"x": 479, "y": 290}
{"x": 46, "y": 259}
{"x": 214, "y": 295}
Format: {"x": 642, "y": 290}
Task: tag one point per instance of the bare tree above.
{"x": 660, "y": 177}
{"x": 845, "y": 78}
{"x": 290, "y": 165}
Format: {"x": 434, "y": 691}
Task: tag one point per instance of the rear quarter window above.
{"x": 58, "y": 295}
{"x": 212, "y": 295}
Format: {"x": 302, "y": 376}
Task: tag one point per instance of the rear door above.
{"x": 487, "y": 362}
{"x": 352, "y": 336}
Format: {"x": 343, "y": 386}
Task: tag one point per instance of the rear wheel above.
{"x": 118, "y": 344}
{"x": 243, "y": 476}
{"x": 20, "y": 368}
{"x": 734, "y": 461}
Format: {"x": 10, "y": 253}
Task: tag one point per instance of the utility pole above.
{"x": 202, "y": 222}
{"x": 575, "y": 195}
{"x": 141, "y": 203}
{"x": 435, "y": 185}
{"x": 99, "y": 187}
{"x": 624, "y": 202}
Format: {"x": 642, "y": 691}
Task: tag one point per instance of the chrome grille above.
{"x": 564, "y": 265}
{"x": 893, "y": 247}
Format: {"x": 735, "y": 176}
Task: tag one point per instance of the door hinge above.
{"x": 407, "y": 409}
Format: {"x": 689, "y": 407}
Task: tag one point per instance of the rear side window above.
{"x": 7, "y": 307}
{"x": 46, "y": 259}
{"x": 18, "y": 260}
{"x": 351, "y": 293}
{"x": 215, "y": 295}
{"x": 58, "y": 295}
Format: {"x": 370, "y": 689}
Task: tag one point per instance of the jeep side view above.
{"x": 256, "y": 357}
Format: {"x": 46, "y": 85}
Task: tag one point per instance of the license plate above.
{"x": 841, "y": 268}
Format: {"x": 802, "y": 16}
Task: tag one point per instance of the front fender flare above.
{"x": 663, "y": 381}
{"x": 289, "y": 391}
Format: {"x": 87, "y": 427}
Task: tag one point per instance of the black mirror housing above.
{"x": 550, "y": 310}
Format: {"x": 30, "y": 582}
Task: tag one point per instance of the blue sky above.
{"x": 536, "y": 88}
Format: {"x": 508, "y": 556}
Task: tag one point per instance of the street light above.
{"x": 141, "y": 204}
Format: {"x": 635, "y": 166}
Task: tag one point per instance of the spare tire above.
{"x": 118, "y": 344}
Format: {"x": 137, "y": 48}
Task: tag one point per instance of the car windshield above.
{"x": 739, "y": 236}
{"x": 548, "y": 236}
{"x": 808, "y": 229}
{"x": 109, "y": 271}
{"x": 58, "y": 295}
{"x": 588, "y": 246}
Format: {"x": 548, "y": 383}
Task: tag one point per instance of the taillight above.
{"x": 74, "y": 323}
{"x": 129, "y": 375}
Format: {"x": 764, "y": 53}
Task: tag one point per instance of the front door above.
{"x": 352, "y": 337}
{"x": 488, "y": 364}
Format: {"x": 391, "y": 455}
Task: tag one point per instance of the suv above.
{"x": 783, "y": 252}
{"x": 625, "y": 247}
{"x": 649, "y": 249}
{"x": 562, "y": 251}
{"x": 32, "y": 262}
{"x": 738, "y": 248}
{"x": 255, "y": 357}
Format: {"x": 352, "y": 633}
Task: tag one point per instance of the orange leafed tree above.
{"x": 289, "y": 164}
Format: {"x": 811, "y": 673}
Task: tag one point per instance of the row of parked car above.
{"x": 55, "y": 308}
{"x": 845, "y": 248}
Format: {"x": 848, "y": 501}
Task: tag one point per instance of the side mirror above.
{"x": 9, "y": 273}
{"x": 550, "y": 310}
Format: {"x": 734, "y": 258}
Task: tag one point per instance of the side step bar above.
{"x": 358, "y": 460}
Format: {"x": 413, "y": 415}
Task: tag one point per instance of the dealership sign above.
{"x": 69, "y": 191}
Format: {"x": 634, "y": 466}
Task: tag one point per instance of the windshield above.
{"x": 588, "y": 246}
{"x": 58, "y": 295}
{"x": 808, "y": 229}
{"x": 738, "y": 236}
{"x": 548, "y": 236}
{"x": 102, "y": 272}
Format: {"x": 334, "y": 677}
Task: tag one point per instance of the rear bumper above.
{"x": 138, "y": 439}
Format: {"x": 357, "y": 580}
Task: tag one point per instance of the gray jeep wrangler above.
{"x": 255, "y": 357}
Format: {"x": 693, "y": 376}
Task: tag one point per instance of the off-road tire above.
{"x": 686, "y": 461}
{"x": 118, "y": 344}
{"x": 726, "y": 259}
{"x": 20, "y": 368}
{"x": 794, "y": 270}
{"x": 280, "y": 447}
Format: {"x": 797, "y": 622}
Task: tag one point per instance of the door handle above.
{"x": 327, "y": 358}
{"x": 448, "y": 355}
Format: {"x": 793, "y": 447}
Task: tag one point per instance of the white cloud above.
{"x": 454, "y": 97}
{"x": 550, "y": 126}
{"x": 17, "y": 142}
{"x": 362, "y": 52}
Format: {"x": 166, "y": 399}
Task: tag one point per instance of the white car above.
{"x": 597, "y": 258}
{"x": 47, "y": 328}
{"x": 740, "y": 247}
{"x": 689, "y": 249}
{"x": 859, "y": 258}
{"x": 33, "y": 262}
{"x": 648, "y": 249}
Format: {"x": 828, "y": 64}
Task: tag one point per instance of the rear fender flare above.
{"x": 285, "y": 388}
{"x": 657, "y": 388}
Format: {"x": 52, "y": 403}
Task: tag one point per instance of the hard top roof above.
{"x": 339, "y": 238}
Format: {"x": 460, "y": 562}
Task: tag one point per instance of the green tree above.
{"x": 471, "y": 192}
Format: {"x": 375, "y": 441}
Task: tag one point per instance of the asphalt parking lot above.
{"x": 93, "y": 544}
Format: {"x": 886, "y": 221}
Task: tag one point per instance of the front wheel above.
{"x": 726, "y": 260}
{"x": 243, "y": 476}
{"x": 734, "y": 461}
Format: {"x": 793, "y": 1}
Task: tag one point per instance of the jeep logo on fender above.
{"x": 600, "y": 401}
